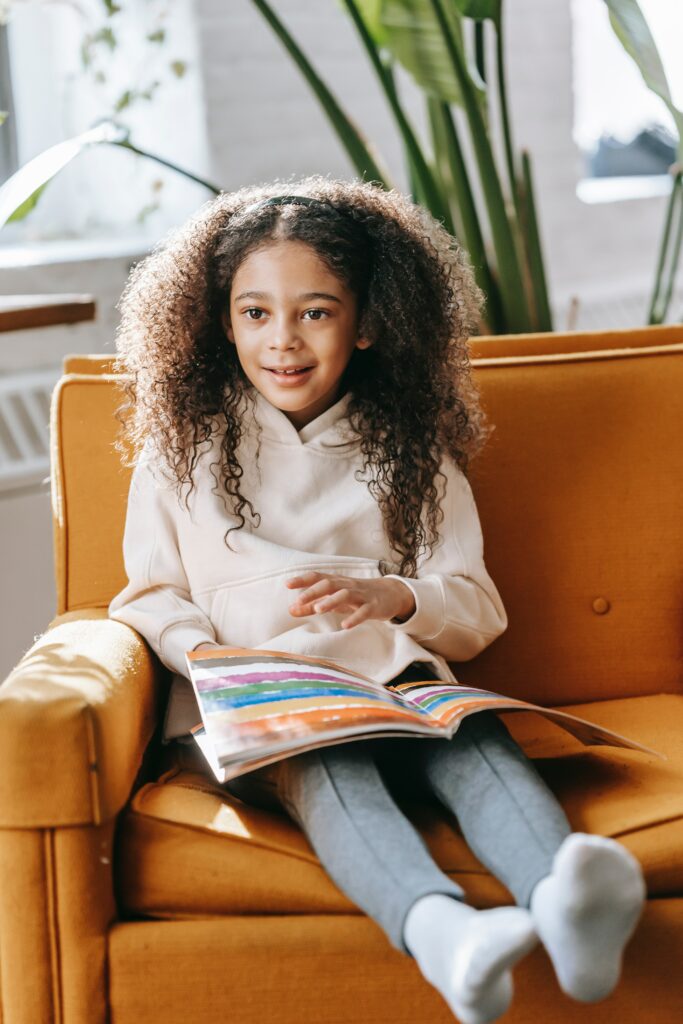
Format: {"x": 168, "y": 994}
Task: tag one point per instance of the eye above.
{"x": 253, "y": 309}
{"x": 323, "y": 311}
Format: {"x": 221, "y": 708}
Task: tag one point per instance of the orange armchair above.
{"x": 135, "y": 890}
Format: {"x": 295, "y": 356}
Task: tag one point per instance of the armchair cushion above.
{"x": 75, "y": 717}
{"x": 189, "y": 848}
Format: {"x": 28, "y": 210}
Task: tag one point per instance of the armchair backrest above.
{"x": 578, "y": 489}
{"x": 541, "y": 343}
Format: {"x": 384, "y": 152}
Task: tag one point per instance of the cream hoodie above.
{"x": 186, "y": 587}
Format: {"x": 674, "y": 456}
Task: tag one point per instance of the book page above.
{"x": 443, "y": 702}
{"x": 253, "y": 701}
{"x": 448, "y": 704}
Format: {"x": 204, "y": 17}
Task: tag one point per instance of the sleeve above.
{"x": 156, "y": 601}
{"x": 458, "y": 610}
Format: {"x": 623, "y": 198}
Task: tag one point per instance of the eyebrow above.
{"x": 305, "y": 295}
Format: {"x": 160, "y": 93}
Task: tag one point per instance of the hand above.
{"x": 367, "y": 599}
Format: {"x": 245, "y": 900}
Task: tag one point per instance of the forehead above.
{"x": 287, "y": 263}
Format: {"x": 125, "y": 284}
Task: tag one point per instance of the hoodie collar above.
{"x": 331, "y": 429}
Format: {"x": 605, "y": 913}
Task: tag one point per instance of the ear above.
{"x": 225, "y": 320}
{"x": 363, "y": 343}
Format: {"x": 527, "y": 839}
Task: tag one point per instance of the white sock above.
{"x": 586, "y": 910}
{"x": 467, "y": 954}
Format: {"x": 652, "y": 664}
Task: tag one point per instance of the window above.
{"x": 72, "y": 63}
{"x": 625, "y": 133}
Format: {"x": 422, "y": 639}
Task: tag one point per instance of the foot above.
{"x": 586, "y": 910}
{"x": 467, "y": 954}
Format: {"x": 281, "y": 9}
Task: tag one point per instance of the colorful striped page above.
{"x": 258, "y": 706}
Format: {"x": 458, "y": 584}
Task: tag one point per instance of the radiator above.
{"x": 24, "y": 427}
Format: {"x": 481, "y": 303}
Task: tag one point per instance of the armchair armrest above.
{"x": 76, "y": 715}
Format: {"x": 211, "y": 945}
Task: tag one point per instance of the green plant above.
{"x": 441, "y": 43}
{"x": 632, "y": 30}
{"x": 21, "y": 192}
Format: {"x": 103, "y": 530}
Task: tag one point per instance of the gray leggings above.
{"x": 338, "y": 795}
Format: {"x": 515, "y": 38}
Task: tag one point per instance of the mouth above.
{"x": 292, "y": 373}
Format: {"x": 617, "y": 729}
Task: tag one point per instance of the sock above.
{"x": 586, "y": 910}
{"x": 467, "y": 954}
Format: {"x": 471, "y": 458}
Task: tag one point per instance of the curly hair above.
{"x": 413, "y": 400}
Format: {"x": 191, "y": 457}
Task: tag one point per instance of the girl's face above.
{"x": 287, "y": 310}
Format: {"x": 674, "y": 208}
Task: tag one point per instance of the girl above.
{"x": 307, "y": 354}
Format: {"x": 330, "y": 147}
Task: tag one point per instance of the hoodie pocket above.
{"x": 254, "y": 611}
{"x": 250, "y": 613}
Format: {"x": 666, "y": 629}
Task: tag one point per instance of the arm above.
{"x": 457, "y": 608}
{"x": 156, "y": 601}
{"x": 76, "y": 715}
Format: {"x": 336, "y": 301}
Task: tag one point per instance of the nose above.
{"x": 285, "y": 333}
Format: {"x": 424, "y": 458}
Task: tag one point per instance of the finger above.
{"x": 337, "y": 599}
{"x": 303, "y": 579}
{"x": 360, "y": 615}
{"x": 344, "y": 596}
{"x": 313, "y": 593}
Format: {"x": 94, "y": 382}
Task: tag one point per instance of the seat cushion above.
{"x": 188, "y": 848}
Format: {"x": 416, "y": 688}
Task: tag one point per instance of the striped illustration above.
{"x": 257, "y": 696}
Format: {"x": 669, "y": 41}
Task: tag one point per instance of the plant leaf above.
{"x": 27, "y": 205}
{"x": 424, "y": 185}
{"x": 124, "y": 100}
{"x": 509, "y": 258}
{"x": 450, "y": 164}
{"x": 413, "y": 35}
{"x": 480, "y": 9}
{"x": 21, "y": 191}
{"x": 634, "y": 34}
{"x": 106, "y": 35}
{"x": 532, "y": 243}
{"x": 359, "y": 149}
{"x": 371, "y": 11}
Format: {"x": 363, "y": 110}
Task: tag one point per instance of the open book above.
{"x": 259, "y": 706}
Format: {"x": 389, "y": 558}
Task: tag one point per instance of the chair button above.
{"x": 601, "y": 605}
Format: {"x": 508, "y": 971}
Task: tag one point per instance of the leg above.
{"x": 376, "y": 857}
{"x": 510, "y": 819}
{"x": 585, "y": 892}
{"x": 364, "y": 841}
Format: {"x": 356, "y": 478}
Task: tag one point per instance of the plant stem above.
{"x": 480, "y": 49}
{"x": 504, "y": 115}
{"x": 509, "y": 271}
{"x": 167, "y": 163}
{"x": 358, "y": 151}
{"x": 675, "y": 253}
{"x": 428, "y": 188}
{"x": 534, "y": 253}
{"x": 448, "y": 154}
{"x": 658, "y": 305}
